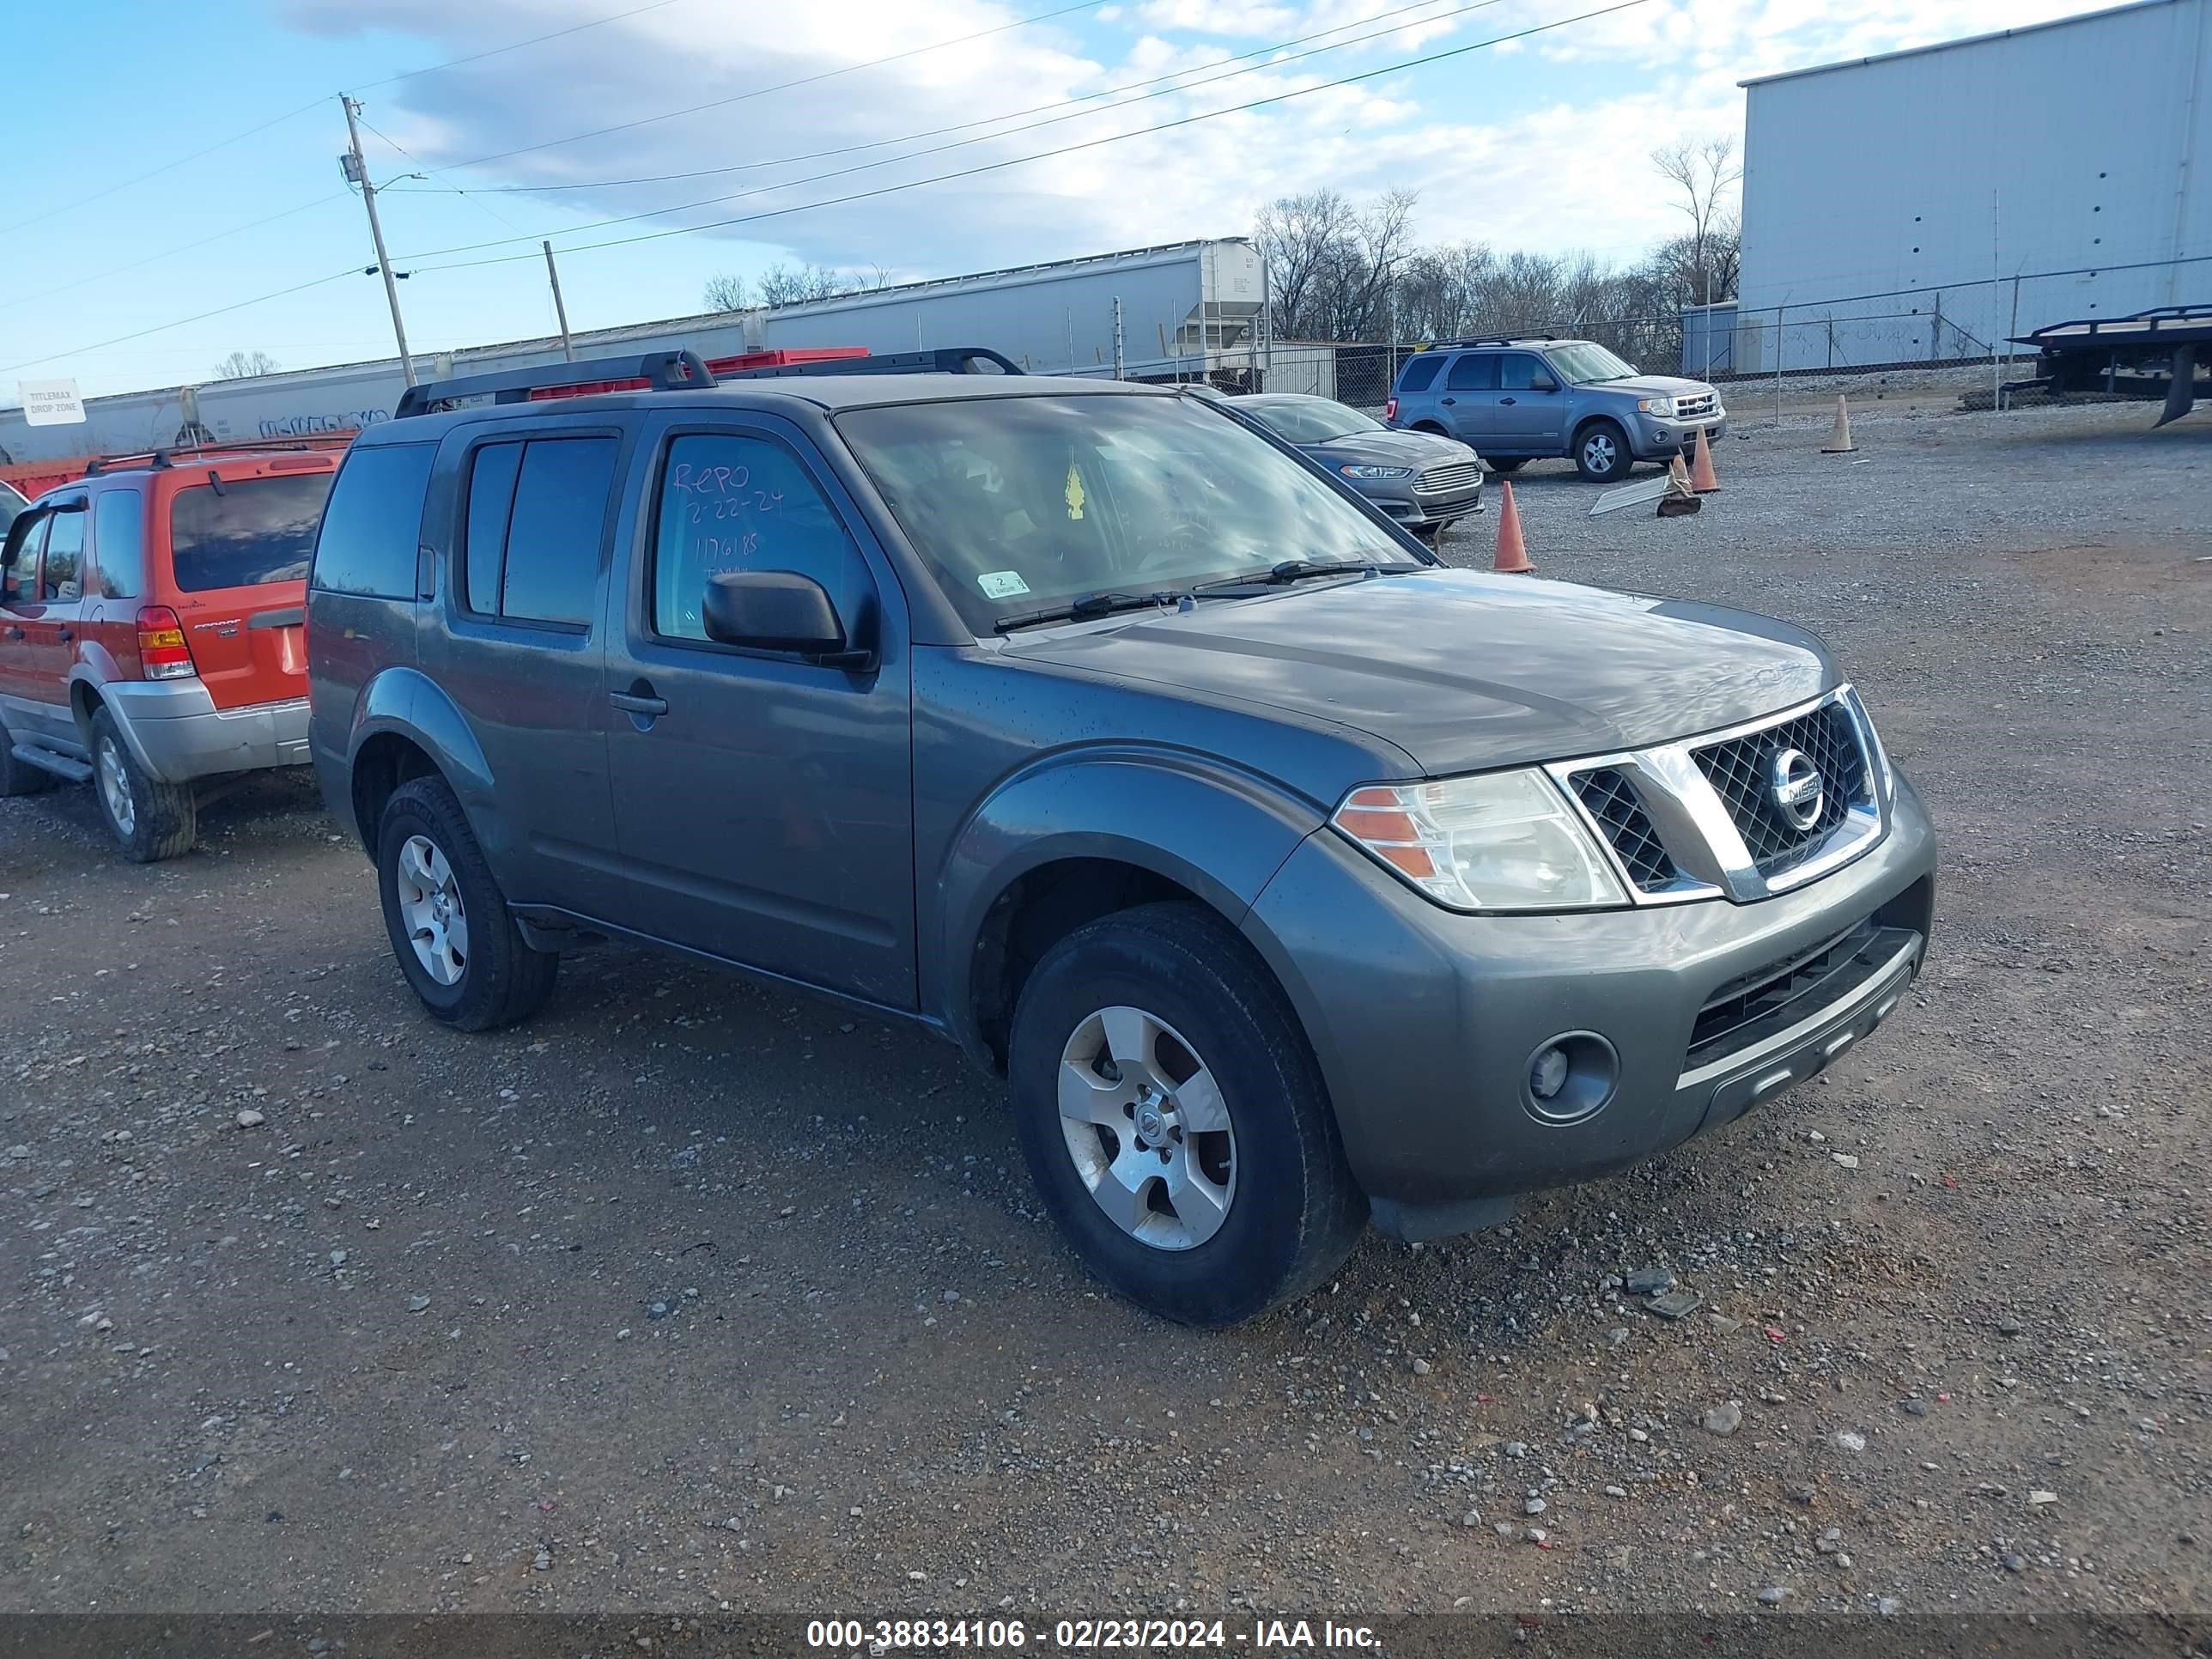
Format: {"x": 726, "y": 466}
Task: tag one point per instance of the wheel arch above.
{"x": 1082, "y": 836}
{"x": 406, "y": 727}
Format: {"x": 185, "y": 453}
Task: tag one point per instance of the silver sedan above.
{"x": 1421, "y": 480}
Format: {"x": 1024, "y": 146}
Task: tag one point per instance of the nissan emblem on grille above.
{"x": 1794, "y": 786}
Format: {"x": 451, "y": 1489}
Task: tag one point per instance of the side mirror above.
{"x": 777, "y": 611}
{"x": 1543, "y": 383}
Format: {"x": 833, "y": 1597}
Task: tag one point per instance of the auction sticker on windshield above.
{"x": 1001, "y": 584}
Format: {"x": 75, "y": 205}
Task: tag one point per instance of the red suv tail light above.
{"x": 1390, "y": 409}
{"x": 162, "y": 653}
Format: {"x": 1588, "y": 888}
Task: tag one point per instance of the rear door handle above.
{"x": 1507, "y": 402}
{"x": 1448, "y": 402}
{"x": 65, "y": 635}
{"x": 632, "y": 702}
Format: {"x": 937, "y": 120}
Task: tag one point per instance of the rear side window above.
{"x": 374, "y": 522}
{"x": 745, "y": 503}
{"x": 1477, "y": 371}
{"x": 244, "y": 532}
{"x": 65, "y": 552}
{"x": 1420, "y": 374}
{"x": 537, "y": 514}
{"x": 118, "y": 542}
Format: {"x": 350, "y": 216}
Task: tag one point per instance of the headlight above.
{"x": 1884, "y": 779}
{"x": 1507, "y": 840}
{"x": 1661, "y": 406}
{"x": 1356, "y": 470}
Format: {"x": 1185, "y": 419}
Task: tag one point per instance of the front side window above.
{"x": 1522, "y": 371}
{"x": 25, "y": 537}
{"x": 118, "y": 542}
{"x": 65, "y": 553}
{"x": 1018, "y": 503}
{"x": 1477, "y": 371}
{"x": 241, "y": 533}
{"x": 732, "y": 502}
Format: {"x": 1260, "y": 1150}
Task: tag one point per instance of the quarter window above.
{"x": 744, "y": 503}
{"x": 1421, "y": 374}
{"x": 375, "y": 521}
{"x": 118, "y": 542}
{"x": 1477, "y": 371}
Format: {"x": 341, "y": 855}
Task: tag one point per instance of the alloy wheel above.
{"x": 1147, "y": 1128}
{"x": 430, "y": 905}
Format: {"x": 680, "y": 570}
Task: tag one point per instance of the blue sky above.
{"x": 1539, "y": 144}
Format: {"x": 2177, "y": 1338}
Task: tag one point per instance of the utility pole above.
{"x": 560, "y": 310}
{"x": 357, "y": 170}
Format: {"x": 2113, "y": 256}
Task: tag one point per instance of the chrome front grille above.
{"x": 1449, "y": 479}
{"x": 1696, "y": 406}
{"x": 1705, "y": 817}
{"x": 1741, "y": 770}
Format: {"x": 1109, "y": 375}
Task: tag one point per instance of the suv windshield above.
{"x": 247, "y": 531}
{"x": 1309, "y": 419}
{"x": 1584, "y": 364}
{"x": 1018, "y": 503}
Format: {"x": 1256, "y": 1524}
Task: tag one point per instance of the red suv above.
{"x": 151, "y": 632}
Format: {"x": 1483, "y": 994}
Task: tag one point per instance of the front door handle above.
{"x": 1507, "y": 402}
{"x": 639, "y": 700}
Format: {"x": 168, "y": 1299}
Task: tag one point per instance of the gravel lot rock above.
{"x": 264, "y": 1424}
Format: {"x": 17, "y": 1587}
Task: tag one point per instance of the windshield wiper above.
{"x": 1298, "y": 570}
{"x": 1089, "y": 606}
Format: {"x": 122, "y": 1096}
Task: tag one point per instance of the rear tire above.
{"x": 1175, "y": 1120}
{"x": 16, "y": 777}
{"x": 1601, "y": 452}
{"x": 150, "y": 818}
{"x": 455, "y": 938}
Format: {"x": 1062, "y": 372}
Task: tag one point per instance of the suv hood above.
{"x": 1466, "y": 672}
{"x": 1650, "y": 385}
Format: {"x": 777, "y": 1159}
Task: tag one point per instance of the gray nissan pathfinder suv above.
{"x": 1291, "y": 878}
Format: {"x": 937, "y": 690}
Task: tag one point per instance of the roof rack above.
{"x": 945, "y": 360}
{"x": 667, "y": 371}
{"x": 1488, "y": 340}
{"x": 167, "y": 455}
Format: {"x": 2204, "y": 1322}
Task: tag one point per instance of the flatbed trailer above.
{"x": 2152, "y": 354}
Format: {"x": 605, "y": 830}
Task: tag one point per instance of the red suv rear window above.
{"x": 246, "y": 531}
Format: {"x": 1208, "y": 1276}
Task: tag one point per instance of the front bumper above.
{"x": 1660, "y": 439}
{"x": 1425, "y": 1021}
{"x": 176, "y": 732}
{"x": 1418, "y": 510}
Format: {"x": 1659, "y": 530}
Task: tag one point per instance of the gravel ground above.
{"x": 690, "y": 1297}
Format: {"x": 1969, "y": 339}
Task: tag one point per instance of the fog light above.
{"x": 1548, "y": 1073}
{"x": 1572, "y": 1076}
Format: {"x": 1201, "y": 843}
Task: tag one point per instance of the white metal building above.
{"x": 1184, "y": 309}
{"x": 1926, "y": 205}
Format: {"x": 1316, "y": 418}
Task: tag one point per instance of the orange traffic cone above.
{"x": 1677, "y": 473}
{"x": 1512, "y": 558}
{"x": 1839, "y": 441}
{"x": 1703, "y": 478}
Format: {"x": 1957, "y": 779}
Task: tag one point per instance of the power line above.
{"x": 965, "y": 127}
{"x": 762, "y": 92}
{"x": 316, "y": 103}
{"x": 1064, "y": 150}
{"x": 168, "y": 253}
{"x": 181, "y": 322}
{"x": 456, "y": 190}
{"x": 961, "y": 143}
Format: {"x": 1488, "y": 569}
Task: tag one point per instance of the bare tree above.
{"x": 727, "y": 291}
{"x": 1704, "y": 173}
{"x": 245, "y": 365}
{"x": 1333, "y": 267}
{"x": 783, "y": 285}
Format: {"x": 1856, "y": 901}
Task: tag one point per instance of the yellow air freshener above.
{"x": 1074, "y": 492}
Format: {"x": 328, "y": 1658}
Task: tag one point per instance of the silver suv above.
{"x": 1519, "y": 400}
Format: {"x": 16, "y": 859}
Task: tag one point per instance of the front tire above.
{"x": 1175, "y": 1120}
{"x": 1505, "y": 463}
{"x": 456, "y": 941}
{"x": 150, "y": 818}
{"x": 1601, "y": 452}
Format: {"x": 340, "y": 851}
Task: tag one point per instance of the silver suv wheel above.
{"x": 1598, "y": 452}
{"x": 1147, "y": 1128}
{"x": 115, "y": 788}
{"x": 430, "y": 905}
